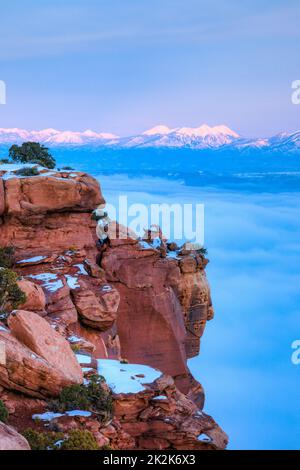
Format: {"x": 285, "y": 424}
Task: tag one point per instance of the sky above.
{"x": 123, "y": 66}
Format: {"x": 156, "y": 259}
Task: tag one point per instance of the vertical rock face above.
{"x": 150, "y": 322}
{"x": 135, "y": 302}
{"x": 195, "y": 299}
{"x": 2, "y": 198}
{"x": 165, "y": 304}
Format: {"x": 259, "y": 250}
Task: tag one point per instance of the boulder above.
{"x": 43, "y": 194}
{"x": 100, "y": 311}
{"x": 36, "y": 333}
{"x": 24, "y": 371}
{"x": 93, "y": 268}
{"x": 60, "y": 305}
{"x": 35, "y": 297}
{"x": 51, "y": 211}
{"x": 10, "y": 439}
{"x": 87, "y": 336}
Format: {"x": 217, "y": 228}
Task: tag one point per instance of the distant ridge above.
{"x": 160, "y": 136}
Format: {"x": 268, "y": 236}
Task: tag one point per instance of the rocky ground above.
{"x": 85, "y": 312}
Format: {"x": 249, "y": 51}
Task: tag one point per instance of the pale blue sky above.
{"x": 125, "y": 65}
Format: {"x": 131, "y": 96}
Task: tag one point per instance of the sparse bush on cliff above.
{"x": 7, "y": 257}
{"x": 76, "y": 439}
{"x": 202, "y": 251}
{"x": 27, "y": 171}
{"x": 42, "y": 440}
{"x": 3, "y": 412}
{"x": 95, "y": 397}
{"x": 80, "y": 439}
{"x": 11, "y": 296}
{"x": 73, "y": 397}
{"x": 75, "y": 347}
{"x": 32, "y": 152}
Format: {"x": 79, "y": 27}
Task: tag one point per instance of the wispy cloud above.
{"x": 43, "y": 30}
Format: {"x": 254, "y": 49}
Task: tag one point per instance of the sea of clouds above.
{"x": 245, "y": 362}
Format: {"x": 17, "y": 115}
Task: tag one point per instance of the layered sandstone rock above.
{"x": 173, "y": 296}
{"x": 139, "y": 301}
{"x": 24, "y": 371}
{"x": 2, "y": 198}
{"x": 35, "y": 333}
{"x": 53, "y": 208}
{"x": 195, "y": 299}
{"x": 35, "y": 297}
{"x": 99, "y": 312}
{"x": 157, "y": 416}
{"x": 53, "y": 192}
{"x": 10, "y": 439}
{"x": 161, "y": 417}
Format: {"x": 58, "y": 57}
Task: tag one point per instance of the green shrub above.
{"x": 11, "y": 296}
{"x": 74, "y": 397}
{"x": 94, "y": 397}
{"x": 80, "y": 440}
{"x": 42, "y": 440}
{"x": 76, "y": 439}
{"x": 75, "y": 347}
{"x": 32, "y": 152}
{"x": 106, "y": 447}
{"x": 67, "y": 168}
{"x": 3, "y": 412}
{"x": 27, "y": 171}
{"x": 4, "y": 161}
{"x": 7, "y": 257}
{"x": 202, "y": 251}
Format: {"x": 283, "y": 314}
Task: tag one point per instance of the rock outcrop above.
{"x": 35, "y": 297}
{"x": 10, "y": 439}
{"x": 132, "y": 300}
{"x": 174, "y": 297}
{"x": 99, "y": 312}
{"x": 53, "y": 208}
{"x": 161, "y": 417}
{"x": 35, "y": 333}
{"x": 24, "y": 371}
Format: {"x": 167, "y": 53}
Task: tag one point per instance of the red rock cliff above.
{"x": 134, "y": 302}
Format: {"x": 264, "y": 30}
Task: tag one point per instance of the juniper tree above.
{"x": 11, "y": 296}
{"x": 32, "y": 152}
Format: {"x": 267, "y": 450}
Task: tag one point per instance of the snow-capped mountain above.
{"x": 161, "y": 136}
{"x": 193, "y": 137}
{"x": 285, "y": 141}
{"x": 55, "y": 137}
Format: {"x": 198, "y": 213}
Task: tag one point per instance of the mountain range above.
{"x": 203, "y": 137}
